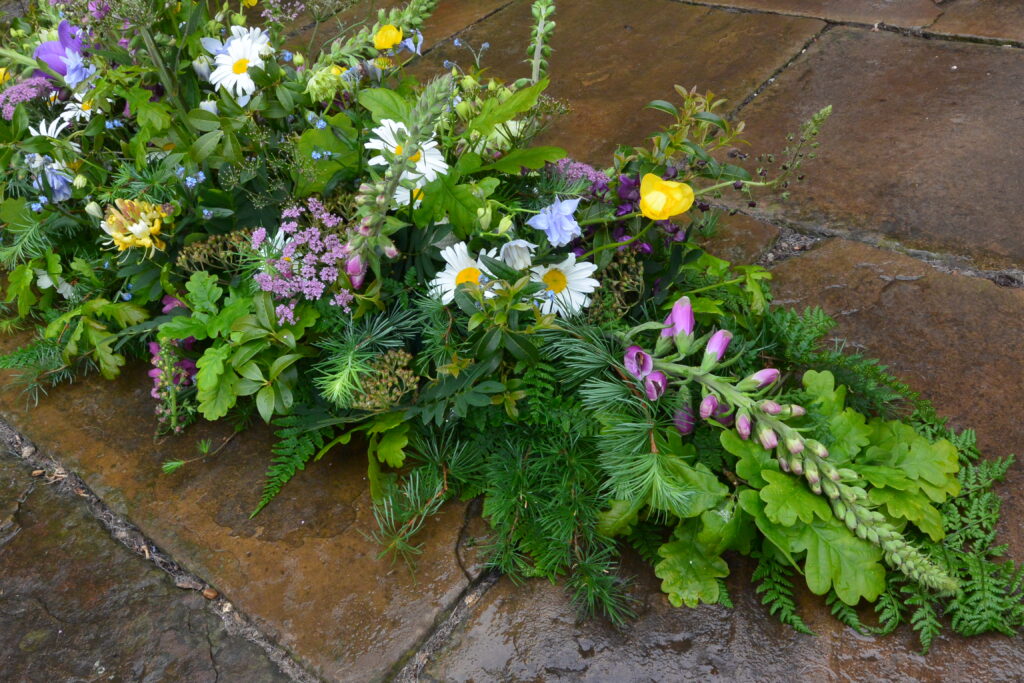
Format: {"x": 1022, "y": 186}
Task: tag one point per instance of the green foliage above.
{"x": 775, "y": 584}
{"x": 299, "y": 438}
{"x": 689, "y": 570}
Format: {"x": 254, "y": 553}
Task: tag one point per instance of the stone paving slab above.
{"x": 919, "y": 147}
{"x": 984, "y": 19}
{"x": 305, "y": 570}
{"x": 610, "y": 58}
{"x": 531, "y": 632}
{"x": 902, "y": 13}
{"x": 741, "y": 239}
{"x": 77, "y": 606}
{"x": 957, "y": 340}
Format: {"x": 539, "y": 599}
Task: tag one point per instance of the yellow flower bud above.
{"x": 387, "y": 37}
{"x": 80, "y": 181}
{"x": 5, "y": 75}
{"x": 298, "y": 59}
{"x": 249, "y": 3}
{"x": 662, "y": 199}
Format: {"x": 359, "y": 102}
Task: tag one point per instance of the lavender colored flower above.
{"x": 557, "y": 222}
{"x": 638, "y": 362}
{"x": 759, "y": 380}
{"x": 577, "y": 171}
{"x": 743, "y": 425}
{"x": 680, "y": 319}
{"x": 259, "y": 236}
{"x": 717, "y": 345}
{"x": 770, "y": 407}
{"x": 629, "y": 188}
{"x": 414, "y": 43}
{"x": 77, "y": 71}
{"x": 655, "y": 384}
{"x": 169, "y": 303}
{"x": 58, "y": 180}
{"x": 684, "y": 420}
{"x": 708, "y": 406}
{"x": 54, "y": 52}
{"x": 25, "y": 91}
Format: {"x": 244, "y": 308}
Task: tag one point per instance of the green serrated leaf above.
{"x": 912, "y": 507}
{"x": 787, "y": 499}
{"x": 216, "y": 382}
{"x": 391, "y": 447}
{"x": 203, "y": 292}
{"x": 752, "y": 458}
{"x": 838, "y": 559}
{"x": 689, "y": 572}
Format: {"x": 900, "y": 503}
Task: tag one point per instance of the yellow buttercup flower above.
{"x": 662, "y": 199}
{"x": 135, "y": 224}
{"x": 387, "y": 37}
{"x": 249, "y": 3}
{"x": 5, "y": 75}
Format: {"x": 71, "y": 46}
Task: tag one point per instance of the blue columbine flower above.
{"x": 557, "y": 221}
{"x": 36, "y": 206}
{"x": 413, "y": 43}
{"x": 77, "y": 70}
{"x": 286, "y": 55}
{"x": 320, "y": 124}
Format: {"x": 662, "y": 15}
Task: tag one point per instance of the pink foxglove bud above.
{"x": 794, "y": 444}
{"x": 743, "y": 425}
{"x": 715, "y": 350}
{"x": 638, "y": 362}
{"x": 816, "y": 448}
{"x": 391, "y": 251}
{"x": 684, "y": 420}
{"x": 680, "y": 319}
{"x": 759, "y": 380}
{"x": 767, "y": 436}
{"x": 708, "y": 406}
{"x": 723, "y": 415}
{"x": 797, "y": 411}
{"x": 655, "y": 384}
{"x": 356, "y": 270}
{"x": 770, "y": 407}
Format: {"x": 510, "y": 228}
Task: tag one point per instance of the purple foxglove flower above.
{"x": 759, "y": 380}
{"x": 770, "y": 407}
{"x": 356, "y": 270}
{"x": 170, "y": 303}
{"x": 717, "y": 345}
{"x": 743, "y": 426}
{"x": 557, "y": 222}
{"x": 654, "y": 385}
{"x": 638, "y": 362}
{"x": 797, "y": 411}
{"x": 768, "y": 438}
{"x": 722, "y": 415}
{"x": 708, "y": 406}
{"x": 680, "y": 319}
{"x": 684, "y": 420}
{"x": 794, "y": 444}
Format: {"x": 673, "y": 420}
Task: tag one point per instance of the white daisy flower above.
{"x": 257, "y": 36}
{"x": 429, "y": 161}
{"x": 78, "y": 109}
{"x": 403, "y": 195}
{"x": 460, "y": 269}
{"x": 232, "y": 68}
{"x": 53, "y": 130}
{"x": 567, "y": 286}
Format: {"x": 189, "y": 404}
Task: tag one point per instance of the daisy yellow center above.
{"x": 414, "y": 158}
{"x": 87, "y": 105}
{"x": 336, "y": 70}
{"x": 241, "y": 66}
{"x": 417, "y": 193}
{"x": 465, "y": 275}
{"x": 555, "y": 280}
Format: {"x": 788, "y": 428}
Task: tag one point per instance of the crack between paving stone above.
{"x": 912, "y": 32}
{"x": 69, "y": 485}
{"x": 409, "y": 668}
{"x": 792, "y": 232}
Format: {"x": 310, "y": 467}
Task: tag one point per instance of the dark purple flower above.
{"x": 684, "y": 420}
{"x": 629, "y": 188}
{"x": 722, "y": 414}
{"x": 170, "y": 303}
{"x": 638, "y": 362}
{"x": 680, "y": 319}
{"x": 654, "y": 385}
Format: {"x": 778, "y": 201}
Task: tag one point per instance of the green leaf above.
{"x": 221, "y": 324}
{"x": 727, "y": 527}
{"x": 531, "y": 157}
{"x": 931, "y": 466}
{"x": 787, "y": 499}
{"x": 391, "y": 448}
{"x": 777, "y": 535}
{"x": 203, "y": 120}
{"x": 265, "y": 400}
{"x": 689, "y": 572}
{"x": 838, "y": 559}
{"x": 753, "y": 459}
{"x": 216, "y": 382}
{"x": 204, "y": 145}
{"x": 100, "y": 338}
{"x": 617, "y": 519}
{"x": 341, "y": 154}
{"x": 203, "y": 292}
{"x": 493, "y": 112}
{"x": 154, "y": 115}
{"x": 182, "y": 327}
{"x": 912, "y": 507}
{"x": 446, "y": 196}
{"x": 662, "y": 105}
{"x": 19, "y": 287}
{"x": 822, "y": 385}
{"x": 384, "y": 103}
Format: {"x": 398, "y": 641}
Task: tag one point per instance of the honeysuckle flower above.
{"x": 638, "y": 362}
{"x": 518, "y": 254}
{"x": 135, "y": 224}
{"x": 566, "y": 286}
{"x": 680, "y": 319}
{"x": 708, "y": 406}
{"x": 655, "y": 384}
{"x": 460, "y": 268}
{"x": 387, "y": 37}
{"x": 743, "y": 425}
{"x": 684, "y": 420}
{"x": 662, "y": 199}
{"x": 557, "y": 222}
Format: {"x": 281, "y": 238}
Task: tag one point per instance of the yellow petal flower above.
{"x": 387, "y": 37}
{"x": 662, "y": 199}
{"x": 5, "y": 75}
{"x": 249, "y": 3}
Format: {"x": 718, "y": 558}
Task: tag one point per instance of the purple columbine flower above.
{"x": 638, "y": 362}
{"x": 557, "y": 222}
{"x": 743, "y": 426}
{"x": 708, "y": 406}
{"x": 718, "y": 344}
{"x": 680, "y": 319}
{"x": 54, "y": 52}
{"x": 684, "y": 420}
{"x": 655, "y": 384}
{"x": 629, "y": 188}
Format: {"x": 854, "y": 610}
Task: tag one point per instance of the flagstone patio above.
{"x": 910, "y": 230}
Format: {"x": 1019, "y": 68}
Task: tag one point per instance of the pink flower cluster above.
{"x": 311, "y": 261}
{"x": 573, "y": 171}
{"x": 25, "y": 91}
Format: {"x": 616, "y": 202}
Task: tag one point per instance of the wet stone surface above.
{"x": 606, "y": 66}
{"x": 902, "y": 13}
{"x": 985, "y": 19}
{"x": 741, "y": 239}
{"x": 306, "y": 570}
{"x": 75, "y": 605}
{"x": 916, "y": 148}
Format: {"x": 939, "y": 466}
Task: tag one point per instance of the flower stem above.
{"x": 614, "y": 245}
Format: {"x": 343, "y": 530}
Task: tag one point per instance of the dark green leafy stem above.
{"x": 774, "y": 583}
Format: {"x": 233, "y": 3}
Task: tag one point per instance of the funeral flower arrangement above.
{"x": 329, "y": 244}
